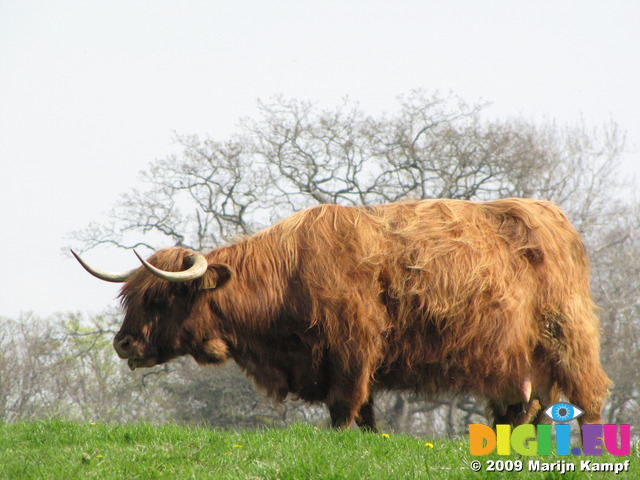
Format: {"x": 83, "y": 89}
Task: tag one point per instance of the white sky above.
{"x": 91, "y": 91}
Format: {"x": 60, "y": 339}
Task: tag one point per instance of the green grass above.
{"x": 55, "y": 449}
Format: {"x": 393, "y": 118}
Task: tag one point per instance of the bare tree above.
{"x": 294, "y": 156}
{"x": 616, "y": 282}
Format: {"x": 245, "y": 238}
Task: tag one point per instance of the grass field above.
{"x": 55, "y": 449}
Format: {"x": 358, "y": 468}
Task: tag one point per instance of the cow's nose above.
{"x": 123, "y": 346}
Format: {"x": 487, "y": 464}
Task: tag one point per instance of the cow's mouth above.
{"x": 137, "y": 362}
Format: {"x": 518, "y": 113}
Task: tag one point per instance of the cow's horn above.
{"x": 102, "y": 275}
{"x": 196, "y": 270}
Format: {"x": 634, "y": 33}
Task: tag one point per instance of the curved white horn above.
{"x": 102, "y": 275}
{"x": 196, "y": 270}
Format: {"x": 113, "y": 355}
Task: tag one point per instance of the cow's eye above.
{"x": 563, "y": 412}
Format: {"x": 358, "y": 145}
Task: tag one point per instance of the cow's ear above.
{"x": 216, "y": 276}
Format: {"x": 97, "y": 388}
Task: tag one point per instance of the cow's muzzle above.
{"x": 129, "y": 349}
{"x": 124, "y": 346}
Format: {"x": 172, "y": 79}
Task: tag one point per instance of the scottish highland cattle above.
{"x": 335, "y": 303}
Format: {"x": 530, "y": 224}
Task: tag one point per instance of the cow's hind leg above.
{"x": 578, "y": 373}
{"x": 588, "y": 392}
{"x": 545, "y": 399}
{"x": 514, "y": 415}
{"x": 522, "y": 413}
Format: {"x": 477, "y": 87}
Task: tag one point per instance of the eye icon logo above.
{"x": 563, "y": 412}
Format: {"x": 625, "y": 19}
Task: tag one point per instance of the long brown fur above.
{"x": 335, "y": 303}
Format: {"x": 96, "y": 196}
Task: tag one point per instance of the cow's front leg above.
{"x": 349, "y": 400}
{"x": 366, "y": 418}
{"x": 340, "y": 415}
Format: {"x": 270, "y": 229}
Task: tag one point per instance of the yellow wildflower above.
{"x": 385, "y": 435}
{"x": 237, "y": 446}
{"x": 428, "y": 445}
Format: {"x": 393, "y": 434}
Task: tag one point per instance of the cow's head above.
{"x": 167, "y": 309}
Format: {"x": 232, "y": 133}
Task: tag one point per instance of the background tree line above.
{"x": 295, "y": 155}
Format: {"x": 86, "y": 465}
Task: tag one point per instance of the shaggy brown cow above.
{"x": 335, "y": 303}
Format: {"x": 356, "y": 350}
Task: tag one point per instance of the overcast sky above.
{"x": 91, "y": 91}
